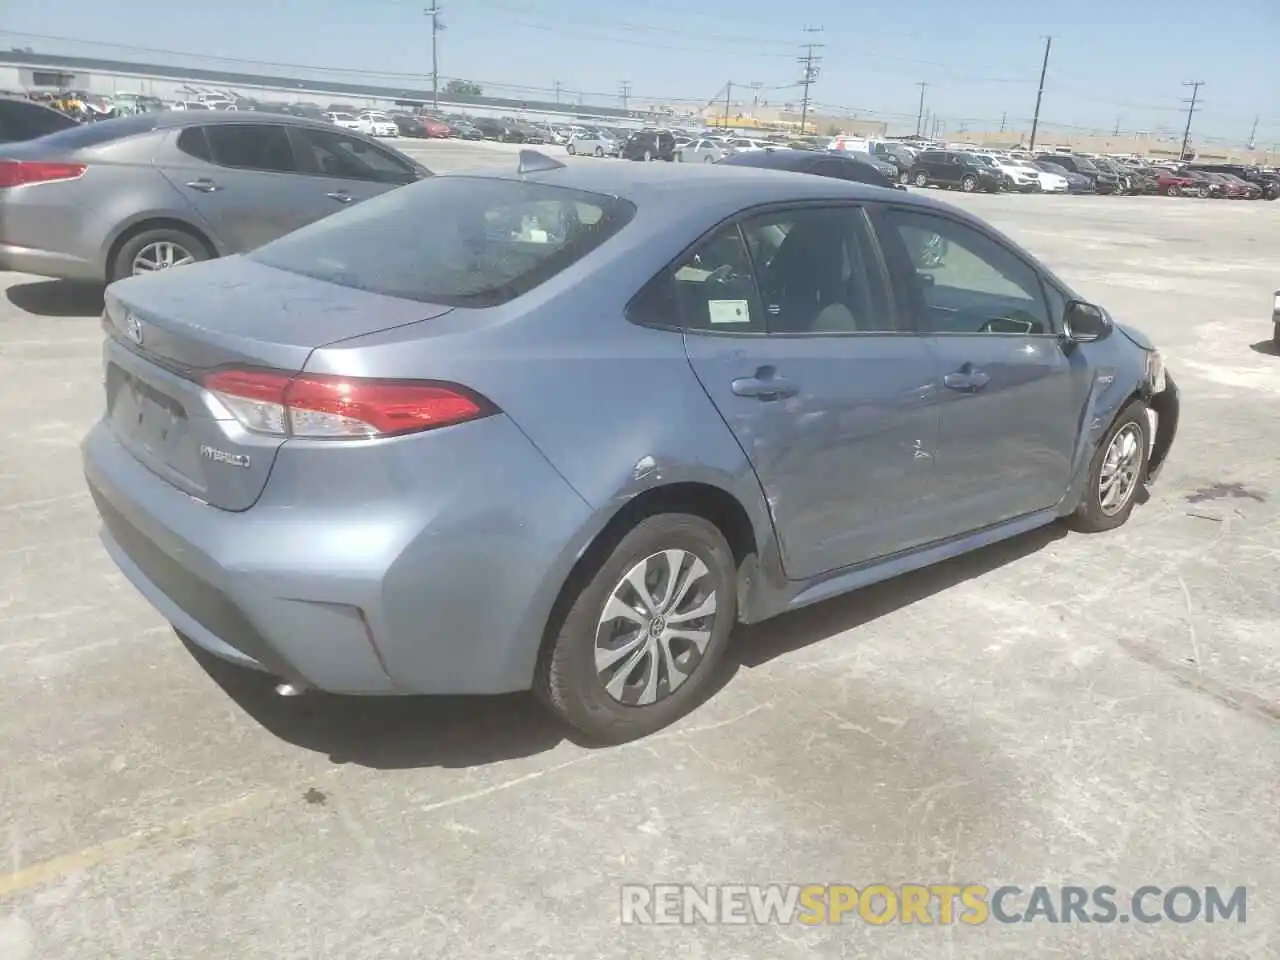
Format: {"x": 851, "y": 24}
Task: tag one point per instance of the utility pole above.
{"x": 1116, "y": 131}
{"x": 1195, "y": 86}
{"x": 923, "y": 85}
{"x": 1004, "y": 118}
{"x": 433, "y": 12}
{"x": 1044, "y": 69}
{"x": 558, "y": 87}
{"x": 925, "y": 128}
{"x": 1253, "y": 135}
{"x": 626, "y": 94}
{"x": 728, "y": 92}
{"x": 810, "y": 62}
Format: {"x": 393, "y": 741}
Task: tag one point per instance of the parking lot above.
{"x": 1058, "y": 709}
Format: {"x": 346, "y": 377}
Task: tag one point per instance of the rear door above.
{"x": 343, "y": 169}
{"x": 1011, "y": 397}
{"x": 792, "y": 332}
{"x": 243, "y": 179}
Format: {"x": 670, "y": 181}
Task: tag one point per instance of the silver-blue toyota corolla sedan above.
{"x": 562, "y": 428}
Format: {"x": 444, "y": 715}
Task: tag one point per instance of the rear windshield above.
{"x": 103, "y": 131}
{"x": 457, "y": 241}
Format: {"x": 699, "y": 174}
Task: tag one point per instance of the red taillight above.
{"x": 327, "y": 407}
{"x": 16, "y": 173}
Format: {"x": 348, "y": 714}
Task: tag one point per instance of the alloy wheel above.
{"x": 655, "y": 627}
{"x": 922, "y": 180}
{"x": 161, "y": 255}
{"x": 1118, "y": 477}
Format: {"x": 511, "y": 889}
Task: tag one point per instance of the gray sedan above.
{"x": 112, "y": 199}
{"x": 594, "y": 418}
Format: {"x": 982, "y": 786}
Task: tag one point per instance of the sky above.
{"x": 1118, "y": 64}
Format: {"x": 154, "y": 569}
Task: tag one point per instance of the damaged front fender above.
{"x": 1166, "y": 404}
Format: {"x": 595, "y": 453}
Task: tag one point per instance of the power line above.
{"x": 810, "y": 62}
{"x": 1044, "y": 69}
{"x": 923, "y": 85}
{"x": 1195, "y": 86}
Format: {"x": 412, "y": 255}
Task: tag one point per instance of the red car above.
{"x": 436, "y": 130}
{"x": 1173, "y": 184}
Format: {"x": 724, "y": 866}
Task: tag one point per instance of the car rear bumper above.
{"x": 383, "y": 574}
{"x": 48, "y": 263}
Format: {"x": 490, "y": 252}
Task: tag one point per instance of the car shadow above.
{"x": 1266, "y": 347}
{"x": 57, "y": 298}
{"x": 396, "y": 733}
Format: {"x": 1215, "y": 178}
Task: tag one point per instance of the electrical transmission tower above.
{"x": 809, "y": 62}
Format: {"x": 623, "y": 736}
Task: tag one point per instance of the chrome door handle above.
{"x": 203, "y": 185}
{"x": 340, "y": 196}
{"x": 764, "y": 387}
{"x": 967, "y": 380}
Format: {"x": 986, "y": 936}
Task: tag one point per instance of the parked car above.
{"x": 1242, "y": 189}
{"x": 1275, "y": 320}
{"x": 1205, "y": 185}
{"x": 376, "y": 124}
{"x": 346, "y": 121}
{"x": 340, "y": 513}
{"x": 649, "y": 145}
{"x": 25, "y": 120}
{"x": 902, "y": 158}
{"x": 1103, "y": 182}
{"x": 1028, "y": 178}
{"x": 592, "y": 143}
{"x": 1173, "y": 183}
{"x": 499, "y": 130}
{"x": 1267, "y": 182}
{"x": 108, "y": 200}
{"x": 464, "y": 130}
{"x": 1076, "y": 183}
{"x": 951, "y": 168}
{"x": 840, "y": 166}
{"x": 703, "y": 150}
{"x": 187, "y": 105}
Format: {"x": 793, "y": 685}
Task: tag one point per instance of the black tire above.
{"x": 570, "y": 149}
{"x": 922, "y": 179}
{"x": 969, "y": 183}
{"x": 599, "y": 151}
{"x": 122, "y": 265}
{"x": 1172, "y": 191}
{"x": 1275, "y": 337}
{"x": 567, "y": 680}
{"x": 1089, "y": 516}
{"x": 903, "y": 177}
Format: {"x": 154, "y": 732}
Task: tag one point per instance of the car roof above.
{"x": 717, "y": 189}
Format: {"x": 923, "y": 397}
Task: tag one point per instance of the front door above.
{"x": 242, "y": 179}
{"x": 1012, "y": 398}
{"x": 794, "y": 335}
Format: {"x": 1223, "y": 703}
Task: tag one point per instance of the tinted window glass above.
{"x": 338, "y": 155}
{"x": 489, "y": 242}
{"x": 966, "y": 280}
{"x": 193, "y": 143}
{"x": 26, "y": 121}
{"x": 252, "y": 146}
{"x": 95, "y": 134}
{"x": 818, "y": 271}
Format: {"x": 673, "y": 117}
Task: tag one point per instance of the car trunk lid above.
{"x": 165, "y": 331}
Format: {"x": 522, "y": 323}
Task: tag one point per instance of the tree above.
{"x": 463, "y": 88}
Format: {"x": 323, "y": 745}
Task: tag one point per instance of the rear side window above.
{"x": 457, "y": 241}
{"x": 193, "y": 143}
{"x": 252, "y": 146}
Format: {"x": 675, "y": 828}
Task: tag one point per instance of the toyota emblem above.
{"x": 133, "y": 326}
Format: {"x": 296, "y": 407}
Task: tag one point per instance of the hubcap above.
{"x": 655, "y": 627}
{"x": 1120, "y": 466}
{"x": 161, "y": 255}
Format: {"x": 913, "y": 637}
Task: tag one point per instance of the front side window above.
{"x": 252, "y": 146}
{"x": 490, "y": 240}
{"x": 338, "y": 155}
{"x": 965, "y": 281}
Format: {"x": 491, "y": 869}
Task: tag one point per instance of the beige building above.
{"x": 781, "y": 118}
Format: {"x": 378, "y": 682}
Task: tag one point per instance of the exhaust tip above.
{"x": 290, "y": 690}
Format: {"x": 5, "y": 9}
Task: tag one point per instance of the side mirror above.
{"x": 1084, "y": 323}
